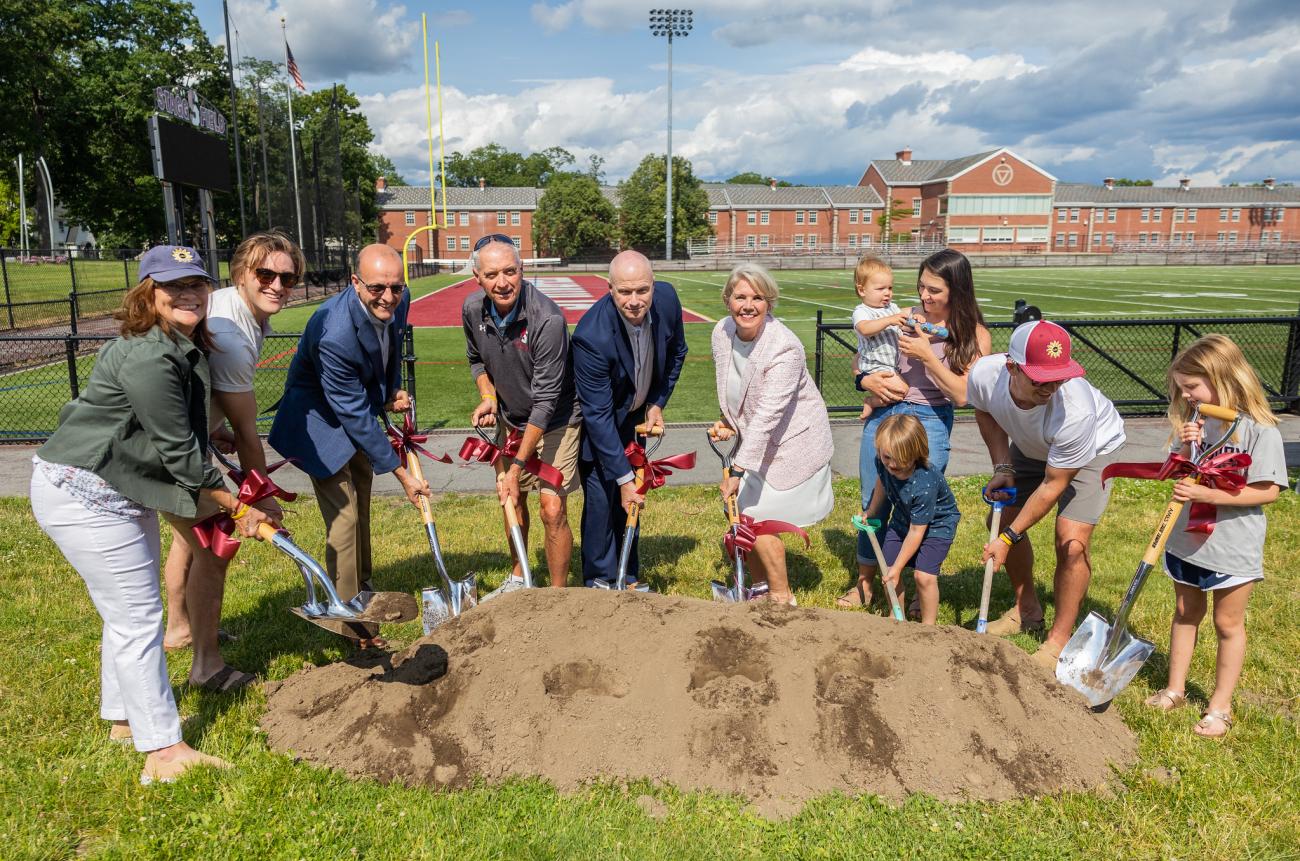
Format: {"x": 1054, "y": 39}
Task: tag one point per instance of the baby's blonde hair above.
{"x": 1218, "y": 360}
{"x": 905, "y": 438}
{"x": 868, "y": 265}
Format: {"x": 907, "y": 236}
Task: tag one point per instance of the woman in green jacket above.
{"x": 134, "y": 443}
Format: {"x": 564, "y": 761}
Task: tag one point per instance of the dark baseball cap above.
{"x": 172, "y": 263}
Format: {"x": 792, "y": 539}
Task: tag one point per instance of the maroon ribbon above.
{"x": 475, "y": 448}
{"x": 656, "y": 471}
{"x": 217, "y": 533}
{"x": 749, "y": 529}
{"x": 407, "y": 439}
{"x": 1220, "y": 471}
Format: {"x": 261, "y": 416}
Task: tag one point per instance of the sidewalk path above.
{"x": 1146, "y": 441}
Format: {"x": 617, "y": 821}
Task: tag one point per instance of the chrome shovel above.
{"x": 515, "y": 530}
{"x": 737, "y": 591}
{"x": 1100, "y": 660}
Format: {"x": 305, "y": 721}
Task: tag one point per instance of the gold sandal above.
{"x": 1166, "y": 700}
{"x": 1206, "y": 722}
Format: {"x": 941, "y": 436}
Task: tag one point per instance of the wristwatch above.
{"x": 735, "y": 472}
{"x": 522, "y": 464}
{"x": 1011, "y": 537}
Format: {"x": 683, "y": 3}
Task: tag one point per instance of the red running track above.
{"x": 574, "y": 293}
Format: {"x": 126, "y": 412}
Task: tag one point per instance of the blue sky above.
{"x": 811, "y": 91}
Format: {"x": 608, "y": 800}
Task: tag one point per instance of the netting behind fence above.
{"x": 1126, "y": 360}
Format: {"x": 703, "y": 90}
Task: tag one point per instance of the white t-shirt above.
{"x": 237, "y": 346}
{"x": 1078, "y": 424}
{"x": 878, "y": 352}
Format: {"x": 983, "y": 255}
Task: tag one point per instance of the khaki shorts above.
{"x": 1086, "y": 497}
{"x": 559, "y": 448}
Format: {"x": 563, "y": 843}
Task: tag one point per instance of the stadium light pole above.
{"x": 670, "y": 23}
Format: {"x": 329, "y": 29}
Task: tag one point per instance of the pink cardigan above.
{"x": 784, "y": 431}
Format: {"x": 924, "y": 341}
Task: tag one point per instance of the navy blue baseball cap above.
{"x": 172, "y": 263}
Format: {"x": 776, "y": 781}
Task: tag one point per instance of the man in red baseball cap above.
{"x": 1049, "y": 433}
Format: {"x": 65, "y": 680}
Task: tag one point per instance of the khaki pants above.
{"x": 344, "y": 500}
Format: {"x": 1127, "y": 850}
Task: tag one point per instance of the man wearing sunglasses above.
{"x": 345, "y": 374}
{"x": 628, "y": 351}
{"x": 264, "y": 268}
{"x": 517, "y": 344}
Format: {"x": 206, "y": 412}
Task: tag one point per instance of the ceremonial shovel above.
{"x": 1100, "y": 660}
{"x": 365, "y": 607}
{"x": 995, "y": 525}
{"x": 737, "y": 592}
{"x": 633, "y": 524}
{"x": 870, "y": 527}
{"x": 457, "y": 596}
{"x": 512, "y": 523}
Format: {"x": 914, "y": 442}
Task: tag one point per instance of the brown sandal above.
{"x": 1166, "y": 700}
{"x": 854, "y": 598}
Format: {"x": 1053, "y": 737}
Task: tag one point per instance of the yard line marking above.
{"x": 1101, "y": 299}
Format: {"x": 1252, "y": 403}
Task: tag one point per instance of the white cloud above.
{"x": 331, "y": 39}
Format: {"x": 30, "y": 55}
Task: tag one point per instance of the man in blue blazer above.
{"x": 344, "y": 375}
{"x": 628, "y": 351}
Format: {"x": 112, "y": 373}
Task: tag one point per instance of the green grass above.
{"x": 446, "y": 396}
{"x": 71, "y": 793}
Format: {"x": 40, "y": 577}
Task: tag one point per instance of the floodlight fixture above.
{"x": 670, "y": 23}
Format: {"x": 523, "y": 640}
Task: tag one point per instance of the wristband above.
{"x": 1011, "y": 536}
{"x": 857, "y": 380}
{"x": 1004, "y": 468}
{"x": 240, "y": 510}
{"x": 522, "y": 464}
{"x": 492, "y": 398}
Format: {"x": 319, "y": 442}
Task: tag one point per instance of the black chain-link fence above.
{"x": 39, "y": 374}
{"x": 1125, "y": 359}
{"x": 52, "y": 293}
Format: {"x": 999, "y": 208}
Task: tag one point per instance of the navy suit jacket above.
{"x": 603, "y": 373}
{"x": 337, "y": 387}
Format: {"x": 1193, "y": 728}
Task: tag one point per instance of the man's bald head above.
{"x": 377, "y": 258}
{"x": 631, "y": 284}
{"x": 629, "y": 265}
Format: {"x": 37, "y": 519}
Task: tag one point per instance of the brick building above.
{"x": 471, "y": 213}
{"x": 794, "y": 219}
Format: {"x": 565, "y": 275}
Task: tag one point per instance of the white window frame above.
{"x": 451, "y": 243}
{"x": 464, "y": 219}
{"x": 751, "y": 241}
{"x": 1146, "y": 214}
{"x": 812, "y": 216}
{"x": 798, "y": 216}
{"x": 501, "y": 218}
{"x": 853, "y": 216}
{"x": 765, "y": 216}
{"x": 751, "y": 216}
{"x": 514, "y": 218}
{"x": 798, "y": 240}
{"x": 1236, "y": 216}
{"x": 853, "y": 240}
{"x": 410, "y": 218}
{"x": 464, "y": 243}
{"x": 812, "y": 240}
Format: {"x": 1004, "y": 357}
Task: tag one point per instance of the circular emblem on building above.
{"x": 1003, "y": 174}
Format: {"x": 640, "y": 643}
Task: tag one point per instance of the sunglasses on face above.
{"x": 266, "y": 277}
{"x": 377, "y": 290}
{"x": 493, "y": 237}
{"x": 175, "y": 288}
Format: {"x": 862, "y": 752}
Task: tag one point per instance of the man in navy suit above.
{"x": 628, "y": 351}
{"x": 343, "y": 377}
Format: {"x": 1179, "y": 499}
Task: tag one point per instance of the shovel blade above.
{"x": 1083, "y": 664}
{"x": 722, "y": 592}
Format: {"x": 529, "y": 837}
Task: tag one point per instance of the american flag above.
{"x": 293, "y": 68}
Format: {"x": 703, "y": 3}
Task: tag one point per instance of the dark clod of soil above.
{"x": 777, "y": 704}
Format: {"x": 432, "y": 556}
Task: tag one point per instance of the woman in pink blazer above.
{"x": 781, "y": 470}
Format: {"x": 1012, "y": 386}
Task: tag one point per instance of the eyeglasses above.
{"x": 493, "y": 237}
{"x": 266, "y": 277}
{"x": 377, "y": 290}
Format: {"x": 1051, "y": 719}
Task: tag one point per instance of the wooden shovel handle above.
{"x": 646, "y": 430}
{"x": 265, "y": 531}
{"x": 417, "y": 472}
{"x": 1217, "y": 412}
{"x": 1157, "y": 546}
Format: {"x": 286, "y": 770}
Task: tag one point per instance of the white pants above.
{"x": 118, "y": 559}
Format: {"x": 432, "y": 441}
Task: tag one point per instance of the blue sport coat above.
{"x": 337, "y": 387}
{"x": 603, "y": 373}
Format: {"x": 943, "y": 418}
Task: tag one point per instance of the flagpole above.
{"x": 293, "y": 145}
{"x": 234, "y": 122}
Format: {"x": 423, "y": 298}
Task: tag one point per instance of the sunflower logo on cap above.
{"x": 1054, "y": 349}
{"x": 182, "y": 255}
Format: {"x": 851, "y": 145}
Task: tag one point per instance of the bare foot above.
{"x": 169, "y": 763}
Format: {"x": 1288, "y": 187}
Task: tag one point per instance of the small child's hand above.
{"x": 902, "y": 318}
{"x": 1187, "y": 490}
{"x": 891, "y": 577}
{"x": 1191, "y": 431}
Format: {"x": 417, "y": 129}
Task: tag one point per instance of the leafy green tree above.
{"x": 500, "y": 167}
{"x": 752, "y": 178}
{"x": 573, "y": 217}
{"x": 79, "y": 77}
{"x": 641, "y": 206}
{"x": 1130, "y": 183}
{"x": 894, "y": 211}
{"x": 9, "y": 213}
{"x": 383, "y": 166}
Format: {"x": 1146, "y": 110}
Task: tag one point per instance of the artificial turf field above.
{"x": 446, "y": 396}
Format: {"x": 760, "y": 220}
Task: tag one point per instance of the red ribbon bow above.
{"x": 476, "y": 448}
{"x": 656, "y": 471}
{"x": 1220, "y": 471}
{"x": 217, "y": 533}
{"x": 749, "y": 529}
{"x": 407, "y": 439}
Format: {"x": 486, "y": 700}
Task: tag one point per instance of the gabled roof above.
{"x": 1083, "y": 194}
{"x": 923, "y": 171}
{"x": 492, "y": 197}
{"x": 726, "y": 195}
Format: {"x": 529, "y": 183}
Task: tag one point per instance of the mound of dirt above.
{"x": 778, "y": 704}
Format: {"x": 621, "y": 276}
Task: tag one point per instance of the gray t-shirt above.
{"x": 1236, "y": 546}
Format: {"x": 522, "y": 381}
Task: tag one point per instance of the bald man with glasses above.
{"x": 343, "y": 377}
